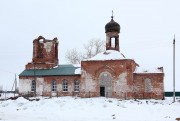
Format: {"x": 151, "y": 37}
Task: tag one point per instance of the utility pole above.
{"x": 174, "y": 69}
{"x": 34, "y": 79}
{"x": 14, "y": 85}
{"x": 15, "y": 82}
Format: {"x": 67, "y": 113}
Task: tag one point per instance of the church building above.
{"x": 109, "y": 74}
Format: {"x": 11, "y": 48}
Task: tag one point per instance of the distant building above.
{"x": 107, "y": 74}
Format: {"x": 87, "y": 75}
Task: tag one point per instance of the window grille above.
{"x": 76, "y": 85}
{"x": 53, "y": 85}
{"x": 33, "y": 86}
{"x": 65, "y": 85}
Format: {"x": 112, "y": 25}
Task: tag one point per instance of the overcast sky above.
{"x": 147, "y": 31}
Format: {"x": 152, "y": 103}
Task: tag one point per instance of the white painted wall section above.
{"x": 39, "y": 85}
{"x": 24, "y": 85}
{"x": 121, "y": 83}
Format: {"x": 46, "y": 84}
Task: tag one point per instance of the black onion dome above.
{"x": 112, "y": 26}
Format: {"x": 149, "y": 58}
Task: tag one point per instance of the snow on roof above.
{"x": 77, "y": 71}
{"x": 150, "y": 70}
{"x": 76, "y": 65}
{"x": 108, "y": 55}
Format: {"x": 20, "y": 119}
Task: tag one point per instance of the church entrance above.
{"x": 105, "y": 80}
{"x": 102, "y": 91}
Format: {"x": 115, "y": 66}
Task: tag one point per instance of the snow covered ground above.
{"x": 7, "y": 95}
{"x": 89, "y": 109}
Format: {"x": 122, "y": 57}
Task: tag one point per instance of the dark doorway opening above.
{"x": 102, "y": 91}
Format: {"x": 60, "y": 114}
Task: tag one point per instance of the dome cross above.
{"x": 112, "y": 15}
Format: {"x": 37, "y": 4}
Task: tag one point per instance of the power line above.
{"x": 3, "y": 70}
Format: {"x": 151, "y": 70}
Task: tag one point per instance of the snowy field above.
{"x": 89, "y": 109}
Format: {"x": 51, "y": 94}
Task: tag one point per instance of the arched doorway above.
{"x": 105, "y": 80}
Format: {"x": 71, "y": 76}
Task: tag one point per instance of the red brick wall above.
{"x": 59, "y": 80}
{"x": 92, "y": 69}
{"x": 156, "y": 82}
{"x": 45, "y": 53}
{"x": 110, "y": 35}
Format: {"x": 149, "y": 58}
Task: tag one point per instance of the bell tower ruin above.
{"x": 45, "y": 54}
{"x": 112, "y": 30}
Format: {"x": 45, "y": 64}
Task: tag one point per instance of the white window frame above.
{"x": 65, "y": 85}
{"x": 54, "y": 85}
{"x": 76, "y": 85}
{"x": 33, "y": 85}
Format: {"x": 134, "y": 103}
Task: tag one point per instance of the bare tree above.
{"x": 73, "y": 56}
{"x": 89, "y": 49}
{"x": 92, "y": 48}
{"x": 99, "y": 46}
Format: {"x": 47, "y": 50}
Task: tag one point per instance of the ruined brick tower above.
{"x": 45, "y": 54}
{"x": 112, "y": 30}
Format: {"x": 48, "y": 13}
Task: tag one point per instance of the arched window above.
{"x": 113, "y": 42}
{"x": 76, "y": 85}
{"x": 65, "y": 85}
{"x": 33, "y": 86}
{"x": 147, "y": 84}
{"x": 53, "y": 85}
{"x": 56, "y": 51}
{"x": 40, "y": 50}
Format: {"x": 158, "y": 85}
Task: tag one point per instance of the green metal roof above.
{"x": 57, "y": 71}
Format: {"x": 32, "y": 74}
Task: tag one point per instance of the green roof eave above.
{"x": 61, "y": 70}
